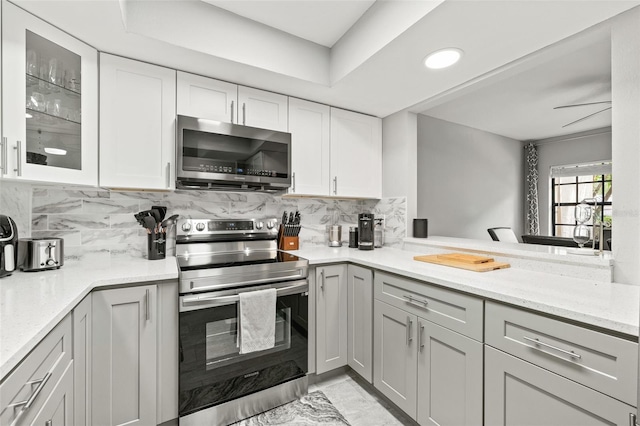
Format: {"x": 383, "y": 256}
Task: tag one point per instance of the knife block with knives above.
{"x": 289, "y": 231}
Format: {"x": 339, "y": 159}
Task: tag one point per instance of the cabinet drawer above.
{"x": 600, "y": 361}
{"x": 36, "y": 376}
{"x": 455, "y": 311}
{"x": 519, "y": 393}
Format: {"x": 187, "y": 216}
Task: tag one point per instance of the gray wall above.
{"x": 574, "y": 149}
{"x": 468, "y": 180}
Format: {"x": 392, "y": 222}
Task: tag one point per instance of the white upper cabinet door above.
{"x": 356, "y": 155}
{"x": 137, "y": 124}
{"x": 203, "y": 97}
{"x": 310, "y": 127}
{"x": 49, "y": 102}
{"x": 265, "y": 110}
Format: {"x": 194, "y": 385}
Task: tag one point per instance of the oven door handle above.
{"x": 211, "y": 301}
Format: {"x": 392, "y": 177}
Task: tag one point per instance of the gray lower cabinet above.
{"x": 40, "y": 389}
{"x": 58, "y": 408}
{"x": 395, "y": 364}
{"x": 520, "y": 393}
{"x": 331, "y": 316}
{"x": 360, "y": 320}
{"x": 82, "y": 361}
{"x": 449, "y": 377}
{"x": 124, "y": 363}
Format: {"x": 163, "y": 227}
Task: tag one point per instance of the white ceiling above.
{"x": 375, "y": 67}
{"x": 521, "y": 106}
{"x": 319, "y": 21}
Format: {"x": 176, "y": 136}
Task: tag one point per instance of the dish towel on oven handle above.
{"x": 257, "y": 320}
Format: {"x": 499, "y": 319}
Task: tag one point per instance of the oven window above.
{"x": 212, "y": 371}
{"x": 223, "y": 347}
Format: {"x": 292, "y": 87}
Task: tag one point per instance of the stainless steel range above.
{"x": 218, "y": 260}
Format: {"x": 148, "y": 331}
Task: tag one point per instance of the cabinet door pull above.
{"x": 168, "y": 175}
{"x": 26, "y": 404}
{"x": 413, "y": 300}
{"x": 146, "y": 311}
{"x": 335, "y": 185}
{"x": 18, "y": 149}
{"x": 3, "y": 165}
{"x": 293, "y": 178}
{"x": 555, "y": 348}
{"x": 409, "y": 338}
{"x": 232, "y": 104}
{"x": 322, "y": 280}
{"x": 632, "y": 420}
{"x": 244, "y": 113}
{"x": 48, "y": 423}
{"x": 420, "y": 330}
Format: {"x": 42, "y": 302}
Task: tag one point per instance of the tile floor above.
{"x": 355, "y": 400}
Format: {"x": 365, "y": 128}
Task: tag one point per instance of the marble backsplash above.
{"x": 100, "y": 220}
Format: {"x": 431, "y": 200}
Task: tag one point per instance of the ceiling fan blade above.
{"x": 584, "y": 118}
{"x": 588, "y": 103}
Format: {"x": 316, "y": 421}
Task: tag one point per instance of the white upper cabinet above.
{"x": 49, "y": 102}
{"x": 203, "y": 97}
{"x": 265, "y": 110}
{"x": 309, "y": 124}
{"x": 356, "y": 155}
{"x": 137, "y": 124}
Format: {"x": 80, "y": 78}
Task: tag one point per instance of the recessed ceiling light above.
{"x": 443, "y": 58}
{"x": 55, "y": 151}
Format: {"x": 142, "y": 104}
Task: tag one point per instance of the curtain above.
{"x": 533, "y": 218}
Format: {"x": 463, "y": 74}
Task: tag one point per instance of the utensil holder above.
{"x": 156, "y": 246}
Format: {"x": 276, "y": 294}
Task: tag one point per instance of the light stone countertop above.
{"x": 33, "y": 303}
{"x": 611, "y": 306}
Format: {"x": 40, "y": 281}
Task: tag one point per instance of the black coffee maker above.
{"x": 8, "y": 245}
{"x": 365, "y": 231}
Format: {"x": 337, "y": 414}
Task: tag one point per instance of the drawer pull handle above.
{"x": 413, "y": 300}
{"x": 555, "y": 348}
{"x": 27, "y": 403}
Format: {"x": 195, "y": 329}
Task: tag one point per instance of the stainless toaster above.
{"x": 37, "y": 254}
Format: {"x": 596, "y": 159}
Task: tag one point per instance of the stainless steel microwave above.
{"x": 224, "y": 156}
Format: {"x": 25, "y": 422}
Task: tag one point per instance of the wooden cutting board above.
{"x": 465, "y": 258}
{"x": 463, "y": 261}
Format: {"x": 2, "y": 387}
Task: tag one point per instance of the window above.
{"x": 572, "y": 184}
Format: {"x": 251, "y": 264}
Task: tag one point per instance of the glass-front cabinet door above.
{"x": 50, "y": 102}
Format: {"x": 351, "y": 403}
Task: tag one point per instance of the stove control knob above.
{"x": 270, "y": 224}
{"x": 186, "y": 227}
{"x": 259, "y": 225}
{"x": 200, "y": 226}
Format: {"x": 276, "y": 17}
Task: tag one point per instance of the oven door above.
{"x": 212, "y": 371}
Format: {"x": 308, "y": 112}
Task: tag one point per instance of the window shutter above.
{"x": 600, "y": 168}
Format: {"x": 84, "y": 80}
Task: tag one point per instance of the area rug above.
{"x": 312, "y": 409}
